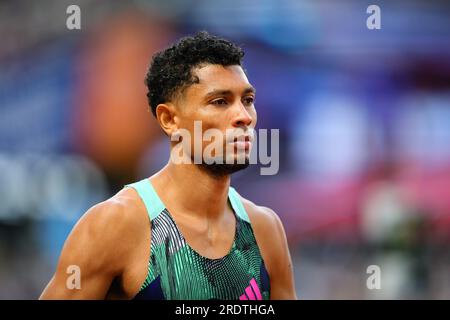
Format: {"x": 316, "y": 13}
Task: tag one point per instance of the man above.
{"x": 184, "y": 233}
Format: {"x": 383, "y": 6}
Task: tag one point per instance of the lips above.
{"x": 243, "y": 139}
{"x": 243, "y": 143}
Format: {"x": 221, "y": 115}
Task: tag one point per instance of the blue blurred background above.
{"x": 364, "y": 119}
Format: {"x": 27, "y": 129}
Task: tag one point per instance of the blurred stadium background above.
{"x": 364, "y": 119}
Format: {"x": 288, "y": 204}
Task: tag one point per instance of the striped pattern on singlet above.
{"x": 177, "y": 272}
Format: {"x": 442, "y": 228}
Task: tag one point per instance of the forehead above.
{"x": 218, "y": 77}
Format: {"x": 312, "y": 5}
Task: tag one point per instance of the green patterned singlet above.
{"x": 177, "y": 272}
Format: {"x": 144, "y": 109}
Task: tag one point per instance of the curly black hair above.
{"x": 171, "y": 69}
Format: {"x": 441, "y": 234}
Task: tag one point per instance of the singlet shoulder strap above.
{"x": 237, "y": 205}
{"x": 148, "y": 194}
{"x": 155, "y": 206}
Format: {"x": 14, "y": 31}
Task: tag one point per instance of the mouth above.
{"x": 243, "y": 138}
{"x": 242, "y": 143}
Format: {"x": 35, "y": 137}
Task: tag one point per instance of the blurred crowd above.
{"x": 364, "y": 120}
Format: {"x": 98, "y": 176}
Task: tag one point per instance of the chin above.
{"x": 221, "y": 170}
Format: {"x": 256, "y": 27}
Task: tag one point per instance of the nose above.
{"x": 242, "y": 118}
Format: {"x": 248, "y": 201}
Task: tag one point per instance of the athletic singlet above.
{"x": 178, "y": 272}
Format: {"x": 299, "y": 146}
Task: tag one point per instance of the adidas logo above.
{"x": 251, "y": 292}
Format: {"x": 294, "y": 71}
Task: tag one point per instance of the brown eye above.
{"x": 219, "y": 102}
{"x": 249, "y": 100}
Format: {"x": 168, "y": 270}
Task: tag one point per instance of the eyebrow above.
{"x": 228, "y": 92}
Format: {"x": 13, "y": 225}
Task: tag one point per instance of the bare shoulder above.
{"x": 102, "y": 246}
{"x": 268, "y": 230}
{"x": 109, "y": 230}
{"x": 263, "y": 219}
{"x": 115, "y": 215}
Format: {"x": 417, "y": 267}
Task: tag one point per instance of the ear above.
{"x": 167, "y": 117}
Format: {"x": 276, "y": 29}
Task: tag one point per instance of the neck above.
{"x": 196, "y": 191}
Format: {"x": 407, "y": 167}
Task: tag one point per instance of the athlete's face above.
{"x": 223, "y": 99}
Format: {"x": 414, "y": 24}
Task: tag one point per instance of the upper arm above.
{"x": 282, "y": 277}
{"x": 91, "y": 256}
